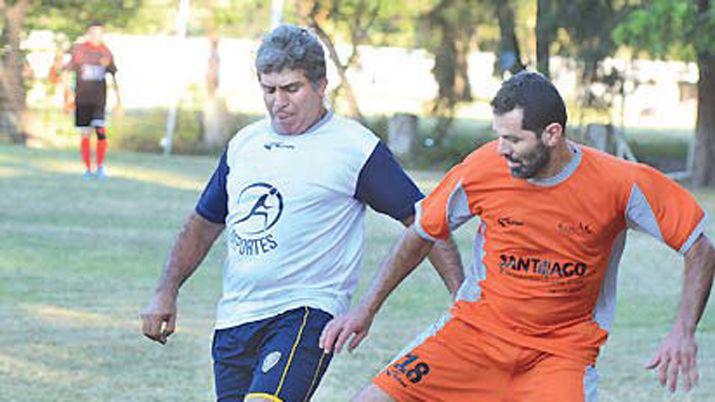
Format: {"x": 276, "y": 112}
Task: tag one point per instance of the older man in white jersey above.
{"x": 291, "y": 192}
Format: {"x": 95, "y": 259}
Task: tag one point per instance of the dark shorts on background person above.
{"x": 276, "y": 358}
{"x": 89, "y": 115}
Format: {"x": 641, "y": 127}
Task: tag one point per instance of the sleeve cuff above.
{"x": 418, "y": 223}
{"x": 700, "y": 229}
{"x": 208, "y": 215}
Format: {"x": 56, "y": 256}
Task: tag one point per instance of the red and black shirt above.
{"x": 91, "y": 63}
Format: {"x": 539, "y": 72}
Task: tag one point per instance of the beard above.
{"x": 530, "y": 164}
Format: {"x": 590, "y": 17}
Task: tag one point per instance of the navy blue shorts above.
{"x": 277, "y": 358}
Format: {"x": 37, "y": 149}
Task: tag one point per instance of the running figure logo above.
{"x": 259, "y": 207}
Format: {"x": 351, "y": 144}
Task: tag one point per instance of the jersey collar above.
{"x": 566, "y": 172}
{"x": 328, "y": 115}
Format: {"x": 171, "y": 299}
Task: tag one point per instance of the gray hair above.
{"x": 292, "y": 47}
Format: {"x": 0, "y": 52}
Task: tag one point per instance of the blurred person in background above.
{"x": 90, "y": 60}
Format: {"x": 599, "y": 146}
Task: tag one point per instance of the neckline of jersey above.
{"x": 320, "y": 123}
{"x": 566, "y": 172}
{"x": 93, "y": 46}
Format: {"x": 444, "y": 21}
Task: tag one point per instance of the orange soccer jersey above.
{"x": 548, "y": 251}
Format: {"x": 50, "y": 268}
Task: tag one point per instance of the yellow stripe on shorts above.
{"x": 292, "y": 352}
{"x": 315, "y": 376}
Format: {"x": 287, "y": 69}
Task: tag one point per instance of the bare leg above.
{"x": 373, "y": 393}
{"x": 85, "y": 150}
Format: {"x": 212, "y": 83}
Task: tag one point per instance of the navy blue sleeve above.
{"x": 384, "y": 186}
{"x": 213, "y": 202}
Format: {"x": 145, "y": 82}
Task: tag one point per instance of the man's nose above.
{"x": 281, "y": 98}
{"x": 503, "y": 148}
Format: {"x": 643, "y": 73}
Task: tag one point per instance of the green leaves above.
{"x": 668, "y": 29}
{"x": 72, "y": 16}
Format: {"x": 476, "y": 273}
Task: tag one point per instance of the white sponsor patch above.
{"x": 270, "y": 361}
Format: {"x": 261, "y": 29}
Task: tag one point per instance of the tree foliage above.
{"x": 586, "y": 27}
{"x": 668, "y": 29}
{"x": 447, "y": 30}
{"x": 682, "y": 29}
{"x": 352, "y": 20}
{"x": 231, "y": 18}
{"x": 72, "y": 16}
{"x": 580, "y": 30}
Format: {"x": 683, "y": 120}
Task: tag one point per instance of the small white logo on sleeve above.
{"x": 270, "y": 361}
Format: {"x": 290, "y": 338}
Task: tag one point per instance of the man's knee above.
{"x": 101, "y": 133}
{"x": 372, "y": 393}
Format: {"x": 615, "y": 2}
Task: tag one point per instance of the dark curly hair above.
{"x": 536, "y": 96}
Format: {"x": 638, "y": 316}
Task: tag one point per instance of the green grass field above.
{"x": 79, "y": 259}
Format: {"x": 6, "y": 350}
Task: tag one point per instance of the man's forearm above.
{"x": 448, "y": 263}
{"x": 446, "y": 260}
{"x": 189, "y": 249}
{"x": 409, "y": 251}
{"x": 697, "y": 283}
{"x": 116, "y": 89}
{"x": 66, "y": 88}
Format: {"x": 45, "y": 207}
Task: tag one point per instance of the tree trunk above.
{"x": 215, "y": 112}
{"x": 544, "y": 36}
{"x": 704, "y": 169}
{"x": 450, "y": 64}
{"x": 462, "y": 86}
{"x": 12, "y": 85}
{"x": 445, "y": 71}
{"x": 509, "y": 53}
{"x": 342, "y": 70}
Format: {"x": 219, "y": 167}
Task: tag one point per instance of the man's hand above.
{"x": 357, "y": 321}
{"x": 409, "y": 251}
{"x": 159, "y": 317}
{"x": 677, "y": 355}
{"x": 118, "y": 110}
{"x": 68, "y": 104}
{"x": 189, "y": 249}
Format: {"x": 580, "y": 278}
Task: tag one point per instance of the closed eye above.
{"x": 510, "y": 138}
{"x": 292, "y": 88}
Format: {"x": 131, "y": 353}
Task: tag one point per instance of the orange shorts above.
{"x": 461, "y": 363}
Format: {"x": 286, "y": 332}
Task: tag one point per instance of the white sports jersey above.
{"x": 293, "y": 206}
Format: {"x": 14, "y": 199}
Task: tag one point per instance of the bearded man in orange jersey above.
{"x": 532, "y": 314}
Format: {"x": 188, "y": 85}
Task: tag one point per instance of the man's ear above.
{"x": 322, "y": 84}
{"x": 552, "y": 134}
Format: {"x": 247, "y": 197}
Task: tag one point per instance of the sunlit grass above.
{"x": 78, "y": 260}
